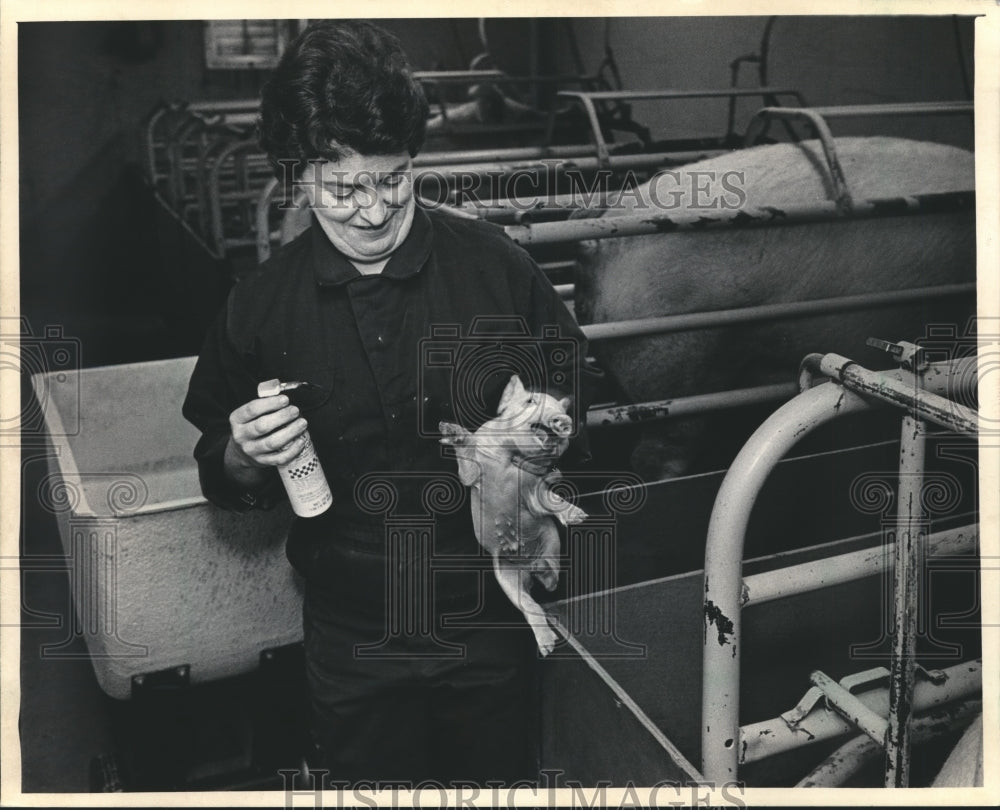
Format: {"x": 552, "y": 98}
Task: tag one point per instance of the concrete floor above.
{"x": 65, "y": 720}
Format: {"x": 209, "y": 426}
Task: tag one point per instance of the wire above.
{"x": 765, "y": 45}
{"x": 462, "y": 57}
{"x": 574, "y": 47}
{"x": 482, "y": 34}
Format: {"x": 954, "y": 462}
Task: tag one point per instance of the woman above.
{"x": 398, "y": 317}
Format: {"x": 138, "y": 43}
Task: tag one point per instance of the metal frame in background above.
{"x": 233, "y": 112}
{"x": 855, "y": 389}
{"x": 589, "y": 100}
{"x": 817, "y": 117}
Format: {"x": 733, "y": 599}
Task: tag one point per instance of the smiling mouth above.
{"x": 373, "y": 228}
{"x": 545, "y": 437}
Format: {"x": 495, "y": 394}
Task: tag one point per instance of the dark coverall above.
{"x": 418, "y": 666}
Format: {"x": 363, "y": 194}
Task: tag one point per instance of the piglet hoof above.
{"x": 452, "y": 433}
{"x": 545, "y": 575}
{"x": 546, "y": 639}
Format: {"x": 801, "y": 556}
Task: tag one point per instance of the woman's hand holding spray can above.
{"x": 303, "y": 477}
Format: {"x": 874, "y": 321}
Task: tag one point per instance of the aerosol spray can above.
{"x": 308, "y": 490}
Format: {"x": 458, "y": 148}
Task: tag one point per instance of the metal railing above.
{"x": 549, "y": 233}
{"x": 854, "y": 390}
{"x": 590, "y": 101}
{"x": 817, "y": 117}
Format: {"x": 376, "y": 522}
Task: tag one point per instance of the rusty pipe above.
{"x": 853, "y": 755}
{"x": 683, "y": 406}
{"x": 910, "y": 527}
{"x": 545, "y": 233}
{"x": 769, "y": 737}
{"x": 902, "y": 392}
{"x": 491, "y": 156}
{"x": 723, "y": 579}
{"x": 500, "y": 168}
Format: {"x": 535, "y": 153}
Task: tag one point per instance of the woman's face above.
{"x": 364, "y": 203}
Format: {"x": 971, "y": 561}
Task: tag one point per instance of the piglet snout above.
{"x": 561, "y": 425}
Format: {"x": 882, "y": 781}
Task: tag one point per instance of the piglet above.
{"x": 508, "y": 463}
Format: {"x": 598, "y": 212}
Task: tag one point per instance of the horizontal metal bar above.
{"x": 707, "y": 220}
{"x": 456, "y": 75}
{"x": 550, "y": 79}
{"x": 460, "y": 156}
{"x": 235, "y": 119}
{"x": 549, "y": 267}
{"x": 904, "y": 393}
{"x": 638, "y": 95}
{"x": 770, "y": 737}
{"x": 554, "y": 202}
{"x": 255, "y": 163}
{"x": 618, "y": 415}
{"x": 824, "y": 573}
{"x": 768, "y": 312}
{"x": 914, "y": 108}
{"x": 641, "y": 160}
{"x": 847, "y": 760}
{"x": 849, "y": 707}
{"x": 449, "y": 128}
{"x": 220, "y": 106}
{"x": 238, "y": 242}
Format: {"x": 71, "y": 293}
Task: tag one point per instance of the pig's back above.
{"x": 797, "y": 173}
{"x": 698, "y": 270}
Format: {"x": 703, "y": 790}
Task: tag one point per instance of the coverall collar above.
{"x": 333, "y": 268}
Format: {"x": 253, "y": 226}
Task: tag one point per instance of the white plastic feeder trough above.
{"x": 161, "y": 579}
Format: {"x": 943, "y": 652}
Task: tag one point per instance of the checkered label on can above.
{"x": 304, "y": 470}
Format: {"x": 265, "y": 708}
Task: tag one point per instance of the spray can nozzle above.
{"x": 271, "y": 388}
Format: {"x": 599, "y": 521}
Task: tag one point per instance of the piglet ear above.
{"x": 513, "y": 390}
{"x": 565, "y": 403}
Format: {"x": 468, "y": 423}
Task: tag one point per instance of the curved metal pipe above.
{"x": 809, "y": 371}
{"x": 723, "y": 578}
{"x": 841, "y": 192}
{"x": 724, "y": 565}
{"x": 217, "y": 234}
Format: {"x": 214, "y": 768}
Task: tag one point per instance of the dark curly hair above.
{"x": 341, "y": 84}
